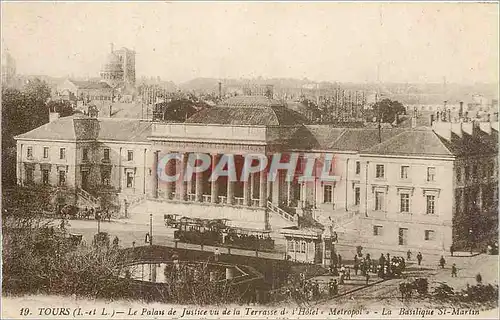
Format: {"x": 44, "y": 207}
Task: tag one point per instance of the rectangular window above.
{"x": 29, "y": 152}
{"x": 431, "y": 204}
{"x": 130, "y": 179}
{"x": 327, "y": 194}
{"x": 30, "y": 175}
{"x": 62, "y": 178}
{"x": 45, "y": 176}
{"x": 85, "y": 154}
{"x": 105, "y": 176}
{"x": 404, "y": 203}
{"x": 62, "y": 153}
{"x": 404, "y": 172}
{"x": 130, "y": 155}
{"x": 358, "y": 167}
{"x": 459, "y": 174}
{"x": 303, "y": 247}
{"x": 431, "y": 174}
{"x": 106, "y": 154}
{"x": 380, "y": 172}
{"x": 403, "y": 236}
{"x": 357, "y": 196}
{"x": 429, "y": 235}
{"x": 377, "y": 230}
{"x": 379, "y": 200}
{"x": 45, "y": 152}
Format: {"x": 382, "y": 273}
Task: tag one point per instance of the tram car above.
{"x": 216, "y": 232}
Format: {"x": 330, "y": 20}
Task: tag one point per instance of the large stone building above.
{"x": 397, "y": 188}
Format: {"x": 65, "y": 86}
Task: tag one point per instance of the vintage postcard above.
{"x": 249, "y": 160}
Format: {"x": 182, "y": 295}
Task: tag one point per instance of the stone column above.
{"x": 263, "y": 189}
{"x": 154, "y": 175}
{"x": 215, "y": 186}
{"x": 289, "y": 193}
{"x": 230, "y": 191}
{"x": 168, "y": 185}
{"x": 199, "y": 186}
{"x": 247, "y": 190}
{"x": 181, "y": 185}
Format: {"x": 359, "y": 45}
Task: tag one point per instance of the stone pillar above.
{"x": 229, "y": 273}
{"x": 181, "y": 184}
{"x": 168, "y": 185}
{"x": 230, "y": 191}
{"x": 263, "y": 189}
{"x": 154, "y": 175}
{"x": 247, "y": 191}
{"x": 215, "y": 186}
{"x": 277, "y": 188}
{"x": 289, "y": 193}
{"x": 199, "y": 186}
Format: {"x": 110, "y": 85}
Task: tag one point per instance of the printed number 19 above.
{"x": 25, "y": 311}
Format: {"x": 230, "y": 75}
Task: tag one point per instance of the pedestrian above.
{"x": 419, "y": 258}
{"x": 339, "y": 261}
{"x": 367, "y": 276}
{"x": 454, "y": 270}
{"x": 335, "y": 287}
{"x": 356, "y": 267}
{"x": 479, "y": 278}
{"x": 216, "y": 254}
{"x": 348, "y": 277}
{"x": 330, "y": 288}
{"x": 452, "y": 250}
{"x": 381, "y": 260}
{"x": 341, "y": 278}
{"x": 408, "y": 255}
{"x": 442, "y": 262}
{"x": 133, "y": 244}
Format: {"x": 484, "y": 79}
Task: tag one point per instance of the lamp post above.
{"x": 470, "y": 240}
{"x": 150, "y": 229}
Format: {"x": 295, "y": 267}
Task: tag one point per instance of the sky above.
{"x": 345, "y": 42}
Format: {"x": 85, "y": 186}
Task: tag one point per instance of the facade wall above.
{"x": 52, "y": 162}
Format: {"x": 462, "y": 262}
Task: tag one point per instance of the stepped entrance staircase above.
{"x": 85, "y": 199}
{"x": 279, "y": 218}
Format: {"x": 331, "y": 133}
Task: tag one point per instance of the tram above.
{"x": 217, "y": 232}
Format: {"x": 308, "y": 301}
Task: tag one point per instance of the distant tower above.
{"x": 119, "y": 68}
{"x": 8, "y": 67}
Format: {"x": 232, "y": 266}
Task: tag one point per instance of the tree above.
{"x": 386, "y": 110}
{"x": 22, "y": 111}
{"x": 62, "y": 107}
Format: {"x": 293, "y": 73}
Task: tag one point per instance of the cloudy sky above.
{"x": 410, "y": 42}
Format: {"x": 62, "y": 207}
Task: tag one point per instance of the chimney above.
{"x": 414, "y": 118}
{"x": 220, "y": 89}
{"x": 53, "y": 116}
{"x": 461, "y": 110}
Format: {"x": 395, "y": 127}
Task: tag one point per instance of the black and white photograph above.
{"x": 249, "y": 160}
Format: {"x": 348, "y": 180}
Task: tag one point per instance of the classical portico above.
{"x": 244, "y": 201}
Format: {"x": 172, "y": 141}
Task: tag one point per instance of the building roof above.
{"x": 90, "y": 84}
{"x": 249, "y": 110}
{"x": 425, "y": 142}
{"x": 81, "y": 127}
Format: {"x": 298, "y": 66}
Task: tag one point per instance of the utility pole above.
{"x": 150, "y": 229}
